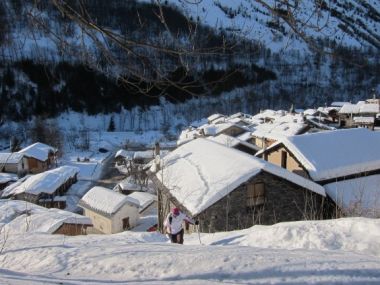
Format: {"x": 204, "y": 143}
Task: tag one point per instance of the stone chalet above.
{"x": 226, "y": 189}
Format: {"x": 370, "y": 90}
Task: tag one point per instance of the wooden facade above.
{"x": 281, "y": 156}
{"x": 72, "y": 229}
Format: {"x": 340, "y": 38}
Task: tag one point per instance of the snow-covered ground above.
{"x": 344, "y": 251}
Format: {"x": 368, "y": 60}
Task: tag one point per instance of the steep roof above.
{"x": 339, "y": 153}
{"x": 201, "y": 172}
{"x": 38, "y": 150}
{"x": 105, "y": 200}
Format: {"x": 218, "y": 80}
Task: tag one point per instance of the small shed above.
{"x": 110, "y": 211}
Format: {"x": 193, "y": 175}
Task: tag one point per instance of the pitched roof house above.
{"x": 110, "y": 211}
{"x": 227, "y": 189}
{"x": 40, "y": 157}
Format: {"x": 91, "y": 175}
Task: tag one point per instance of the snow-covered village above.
{"x": 189, "y": 142}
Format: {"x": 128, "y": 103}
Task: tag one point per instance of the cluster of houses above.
{"x": 232, "y": 172}
{"x": 227, "y": 172}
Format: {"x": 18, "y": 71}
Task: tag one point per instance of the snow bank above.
{"x": 288, "y": 253}
{"x": 348, "y": 234}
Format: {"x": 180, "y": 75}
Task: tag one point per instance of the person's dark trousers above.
{"x": 177, "y": 238}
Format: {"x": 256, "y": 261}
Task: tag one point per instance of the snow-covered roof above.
{"x": 339, "y": 104}
{"x": 7, "y": 177}
{"x": 357, "y": 196}
{"x": 231, "y": 141}
{"x": 13, "y": 213}
{"x": 332, "y": 154}
{"x": 143, "y": 154}
{"x": 364, "y": 120}
{"x": 360, "y": 108}
{"x": 214, "y": 117}
{"x": 122, "y": 153}
{"x": 38, "y": 150}
{"x": 144, "y": 198}
{"x": 282, "y": 125}
{"x": 129, "y": 183}
{"x": 10, "y": 157}
{"x": 45, "y": 182}
{"x": 370, "y": 108}
{"x": 105, "y": 200}
{"x": 349, "y": 109}
{"x": 201, "y": 172}
{"x": 215, "y": 129}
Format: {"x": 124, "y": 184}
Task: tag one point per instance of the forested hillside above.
{"x": 50, "y": 62}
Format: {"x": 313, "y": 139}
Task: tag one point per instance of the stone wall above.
{"x": 284, "y": 201}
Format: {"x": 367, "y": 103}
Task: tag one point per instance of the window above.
{"x": 284, "y": 159}
{"x": 126, "y": 225}
{"x": 255, "y": 194}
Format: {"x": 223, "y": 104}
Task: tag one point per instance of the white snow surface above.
{"x": 201, "y": 172}
{"x": 105, "y": 200}
{"x": 45, "y": 182}
{"x": 337, "y": 153}
{"x": 344, "y": 251}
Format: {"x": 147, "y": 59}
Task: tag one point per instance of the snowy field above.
{"x": 344, "y": 251}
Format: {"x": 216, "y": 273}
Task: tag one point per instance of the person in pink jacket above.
{"x": 174, "y": 225}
